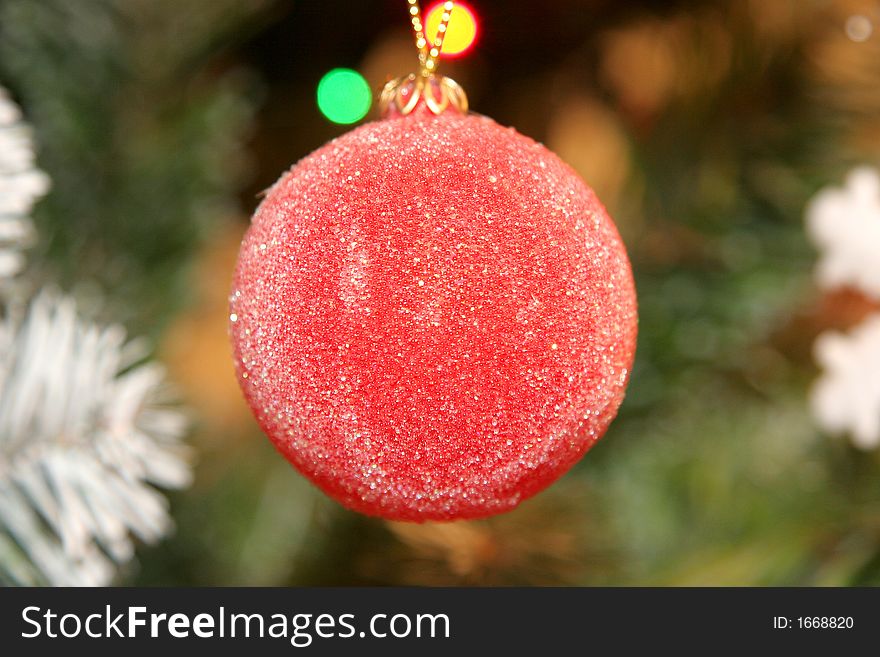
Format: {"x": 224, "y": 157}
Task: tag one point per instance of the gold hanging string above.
{"x": 404, "y": 93}
{"x": 415, "y": 12}
{"x": 428, "y": 55}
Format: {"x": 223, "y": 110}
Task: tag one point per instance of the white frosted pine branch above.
{"x": 21, "y": 184}
{"x": 846, "y": 397}
{"x": 844, "y": 223}
{"x": 85, "y": 435}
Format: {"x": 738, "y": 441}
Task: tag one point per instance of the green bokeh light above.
{"x": 344, "y": 96}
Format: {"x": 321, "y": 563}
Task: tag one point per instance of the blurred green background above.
{"x": 705, "y": 127}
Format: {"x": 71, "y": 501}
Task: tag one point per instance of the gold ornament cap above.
{"x": 437, "y": 92}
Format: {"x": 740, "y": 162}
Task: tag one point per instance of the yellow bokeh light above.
{"x": 462, "y": 30}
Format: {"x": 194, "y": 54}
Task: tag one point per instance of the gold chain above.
{"x": 428, "y": 55}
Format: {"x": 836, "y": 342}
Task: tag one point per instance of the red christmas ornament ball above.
{"x": 433, "y": 317}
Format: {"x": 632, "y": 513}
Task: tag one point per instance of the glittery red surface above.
{"x": 433, "y": 317}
